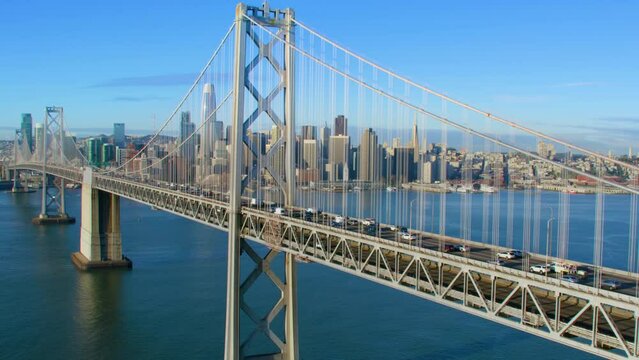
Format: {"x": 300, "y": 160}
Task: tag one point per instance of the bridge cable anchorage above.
{"x": 464, "y": 105}
{"x": 179, "y": 106}
{"x": 450, "y": 122}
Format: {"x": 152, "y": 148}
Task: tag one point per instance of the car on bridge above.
{"x": 563, "y": 268}
{"x": 449, "y": 248}
{"x": 610, "y": 284}
{"x": 570, "y": 278}
{"x": 409, "y": 236}
{"x": 509, "y": 255}
{"x": 540, "y": 269}
{"x": 368, "y": 222}
{"x": 463, "y": 248}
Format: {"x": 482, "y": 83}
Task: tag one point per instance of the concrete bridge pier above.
{"x": 100, "y": 236}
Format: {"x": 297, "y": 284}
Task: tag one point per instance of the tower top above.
{"x": 266, "y": 16}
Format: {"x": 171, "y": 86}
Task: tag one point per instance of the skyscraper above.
{"x": 310, "y": 151}
{"x": 369, "y": 167}
{"x": 27, "y": 129}
{"x": 118, "y": 134}
{"x": 94, "y": 150}
{"x": 414, "y": 142}
{"x": 207, "y": 139}
{"x": 39, "y": 135}
{"x": 108, "y": 153}
{"x": 309, "y": 132}
{"x": 338, "y": 152}
{"x": 341, "y": 125}
{"x": 324, "y": 136}
{"x": 187, "y": 128}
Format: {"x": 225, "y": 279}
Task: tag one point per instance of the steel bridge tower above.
{"x": 52, "y": 208}
{"x": 282, "y": 22}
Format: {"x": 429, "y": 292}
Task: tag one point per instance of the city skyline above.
{"x": 549, "y": 100}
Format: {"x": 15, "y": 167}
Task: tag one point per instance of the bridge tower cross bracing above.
{"x": 52, "y": 209}
{"x": 282, "y": 20}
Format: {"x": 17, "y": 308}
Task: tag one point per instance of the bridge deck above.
{"x": 599, "y": 321}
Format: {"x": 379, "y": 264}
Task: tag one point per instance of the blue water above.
{"x": 171, "y": 305}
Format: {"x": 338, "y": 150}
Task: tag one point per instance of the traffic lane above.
{"x": 480, "y": 253}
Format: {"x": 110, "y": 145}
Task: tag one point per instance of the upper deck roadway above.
{"x": 602, "y": 322}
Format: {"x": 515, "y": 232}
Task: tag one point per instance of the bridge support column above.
{"x": 53, "y": 210}
{"x": 18, "y": 186}
{"x": 100, "y": 236}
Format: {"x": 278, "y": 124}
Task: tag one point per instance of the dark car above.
{"x": 610, "y": 284}
{"x": 449, "y": 248}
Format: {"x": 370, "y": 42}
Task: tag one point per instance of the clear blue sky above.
{"x": 567, "y": 67}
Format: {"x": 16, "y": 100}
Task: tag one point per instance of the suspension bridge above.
{"x": 249, "y": 150}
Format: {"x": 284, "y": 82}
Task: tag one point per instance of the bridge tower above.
{"x": 18, "y": 187}
{"x": 280, "y": 21}
{"x": 52, "y": 209}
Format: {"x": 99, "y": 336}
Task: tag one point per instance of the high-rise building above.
{"x": 187, "y": 128}
{"x": 338, "y": 153}
{"x": 324, "y": 136}
{"x": 208, "y": 137}
{"x": 309, "y": 132}
{"x": 369, "y": 164}
{"x": 108, "y": 154}
{"x": 546, "y": 150}
{"x": 39, "y": 136}
{"x": 414, "y": 142}
{"x": 118, "y": 134}
{"x": 310, "y": 151}
{"x": 93, "y": 150}
{"x": 27, "y": 129}
{"x": 341, "y": 126}
{"x": 426, "y": 175}
{"x": 187, "y": 149}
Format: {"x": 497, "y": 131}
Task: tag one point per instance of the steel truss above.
{"x": 572, "y": 315}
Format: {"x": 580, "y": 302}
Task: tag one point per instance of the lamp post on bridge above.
{"x": 548, "y": 237}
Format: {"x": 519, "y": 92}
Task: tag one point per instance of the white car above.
{"x": 368, "y": 222}
{"x": 509, "y": 255}
{"x": 409, "y": 236}
{"x": 339, "y": 220}
{"x": 563, "y": 268}
{"x": 540, "y": 269}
